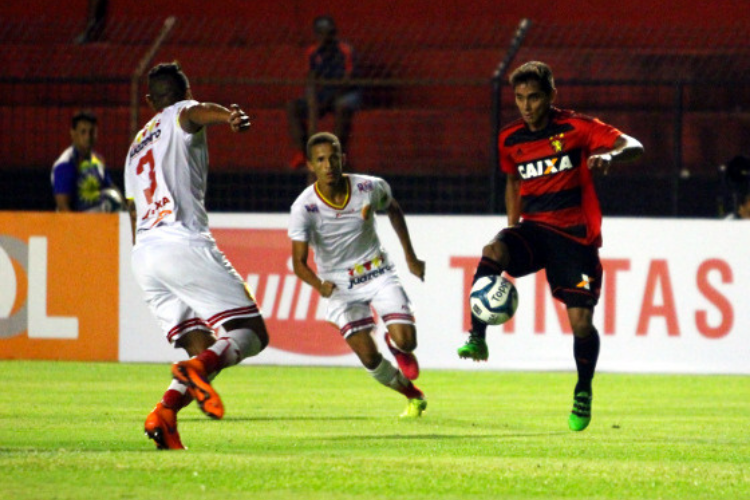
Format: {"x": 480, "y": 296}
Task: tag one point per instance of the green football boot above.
{"x": 475, "y": 348}
{"x": 415, "y": 408}
{"x": 580, "y": 416}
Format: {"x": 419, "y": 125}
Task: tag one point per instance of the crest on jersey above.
{"x": 365, "y": 186}
{"x": 557, "y": 142}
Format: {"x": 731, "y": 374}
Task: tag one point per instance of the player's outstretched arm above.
{"x": 204, "y": 114}
{"x": 626, "y": 149}
{"x": 398, "y": 221}
{"x": 300, "y": 252}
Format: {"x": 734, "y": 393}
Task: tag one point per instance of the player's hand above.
{"x": 417, "y": 268}
{"x": 238, "y": 120}
{"x": 602, "y": 162}
{"x": 326, "y": 289}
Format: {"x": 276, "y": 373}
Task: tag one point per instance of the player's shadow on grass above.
{"x": 272, "y": 418}
{"x": 509, "y": 435}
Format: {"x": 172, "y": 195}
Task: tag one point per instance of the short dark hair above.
{"x": 534, "y": 71}
{"x": 83, "y": 116}
{"x": 324, "y": 24}
{"x": 323, "y": 138}
{"x": 171, "y": 73}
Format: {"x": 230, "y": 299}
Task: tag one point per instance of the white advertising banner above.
{"x": 675, "y": 298}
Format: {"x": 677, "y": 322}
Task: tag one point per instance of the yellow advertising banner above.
{"x": 59, "y": 291}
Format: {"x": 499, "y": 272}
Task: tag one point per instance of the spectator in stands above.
{"x": 80, "y": 180}
{"x": 95, "y": 18}
{"x": 554, "y": 219}
{"x": 328, "y": 59}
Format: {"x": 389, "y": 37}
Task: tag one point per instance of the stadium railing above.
{"x": 427, "y": 123}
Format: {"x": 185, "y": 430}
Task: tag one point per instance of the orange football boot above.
{"x": 161, "y": 426}
{"x": 193, "y": 374}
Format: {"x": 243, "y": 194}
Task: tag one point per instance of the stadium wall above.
{"x": 675, "y": 296}
{"x": 291, "y": 12}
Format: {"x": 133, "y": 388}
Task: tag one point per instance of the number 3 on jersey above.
{"x": 147, "y": 160}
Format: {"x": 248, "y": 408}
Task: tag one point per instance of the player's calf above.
{"x": 406, "y": 361}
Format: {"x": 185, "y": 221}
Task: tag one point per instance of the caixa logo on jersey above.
{"x": 294, "y": 313}
{"x": 549, "y": 166}
{"x": 23, "y": 292}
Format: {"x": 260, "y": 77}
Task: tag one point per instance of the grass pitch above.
{"x": 75, "y": 431}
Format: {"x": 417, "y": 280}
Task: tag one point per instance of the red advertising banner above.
{"x": 292, "y": 310}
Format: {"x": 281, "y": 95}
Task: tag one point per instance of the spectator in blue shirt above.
{"x": 80, "y": 180}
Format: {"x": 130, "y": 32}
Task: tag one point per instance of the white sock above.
{"x": 390, "y": 376}
{"x": 178, "y": 386}
{"x": 236, "y": 345}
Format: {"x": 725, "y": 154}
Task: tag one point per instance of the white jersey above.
{"x": 165, "y": 174}
{"x": 344, "y": 237}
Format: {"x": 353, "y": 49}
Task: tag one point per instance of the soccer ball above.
{"x": 110, "y": 200}
{"x": 493, "y": 300}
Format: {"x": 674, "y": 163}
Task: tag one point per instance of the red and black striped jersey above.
{"x": 556, "y": 185}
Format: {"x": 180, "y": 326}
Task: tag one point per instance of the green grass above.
{"x": 75, "y": 431}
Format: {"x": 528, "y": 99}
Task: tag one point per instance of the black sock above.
{"x": 486, "y": 267}
{"x": 586, "y": 353}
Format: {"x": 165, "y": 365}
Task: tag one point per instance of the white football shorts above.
{"x": 190, "y": 286}
{"x": 351, "y": 308}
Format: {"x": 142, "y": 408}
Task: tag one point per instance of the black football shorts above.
{"x": 574, "y": 271}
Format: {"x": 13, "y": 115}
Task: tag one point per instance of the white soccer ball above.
{"x": 110, "y": 200}
{"x": 493, "y": 300}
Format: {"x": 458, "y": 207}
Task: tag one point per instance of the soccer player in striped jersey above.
{"x": 554, "y": 219}
{"x": 200, "y": 301}
{"x": 336, "y": 216}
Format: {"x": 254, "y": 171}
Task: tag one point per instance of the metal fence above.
{"x": 427, "y": 123}
{"x": 683, "y": 92}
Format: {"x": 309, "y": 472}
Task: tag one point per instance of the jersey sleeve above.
{"x": 64, "y": 178}
{"x": 602, "y": 136}
{"x": 310, "y": 56}
{"x": 106, "y": 177}
{"x": 299, "y": 223}
{"x": 349, "y": 58}
{"x": 506, "y": 163}
{"x": 381, "y": 196}
{"x": 189, "y": 138}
